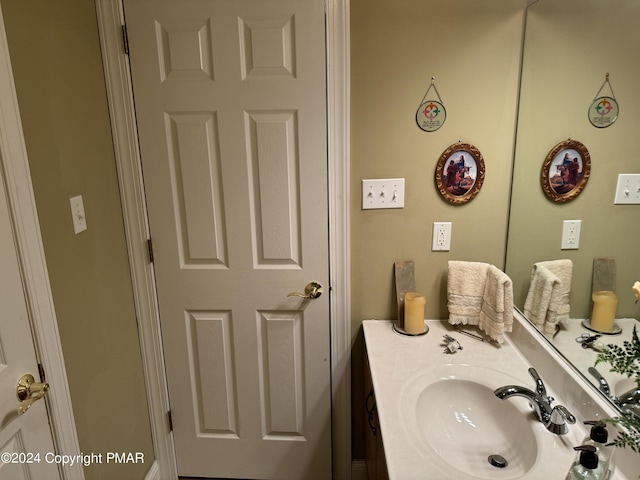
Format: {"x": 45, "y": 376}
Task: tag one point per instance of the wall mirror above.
{"x": 569, "y": 48}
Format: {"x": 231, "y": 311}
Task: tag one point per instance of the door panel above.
{"x": 27, "y": 436}
{"x": 231, "y": 106}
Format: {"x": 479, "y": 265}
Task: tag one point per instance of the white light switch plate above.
{"x": 628, "y": 189}
{"x": 383, "y": 193}
{"x": 77, "y": 213}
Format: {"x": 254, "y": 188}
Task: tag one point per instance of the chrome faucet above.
{"x": 629, "y": 400}
{"x": 555, "y": 419}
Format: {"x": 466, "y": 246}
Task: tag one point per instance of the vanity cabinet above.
{"x": 374, "y": 450}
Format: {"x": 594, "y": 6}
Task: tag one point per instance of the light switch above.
{"x": 628, "y": 189}
{"x": 77, "y": 213}
{"x": 383, "y": 193}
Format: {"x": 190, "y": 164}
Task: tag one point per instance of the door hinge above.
{"x": 150, "y": 250}
{"x": 125, "y": 40}
{"x": 170, "y": 421}
{"x": 41, "y": 373}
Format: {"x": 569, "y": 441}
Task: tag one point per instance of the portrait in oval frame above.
{"x": 565, "y": 171}
{"x": 460, "y": 173}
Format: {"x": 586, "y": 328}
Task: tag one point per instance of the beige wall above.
{"x": 473, "y": 49}
{"x": 60, "y": 84}
{"x": 556, "y": 93}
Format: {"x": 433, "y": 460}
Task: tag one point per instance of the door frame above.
{"x": 110, "y": 15}
{"x": 14, "y": 166}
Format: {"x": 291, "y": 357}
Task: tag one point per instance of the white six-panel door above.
{"x": 230, "y": 101}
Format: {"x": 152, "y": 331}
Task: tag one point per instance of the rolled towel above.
{"x": 465, "y": 291}
{"x": 496, "y": 315}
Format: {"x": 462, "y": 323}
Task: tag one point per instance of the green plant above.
{"x": 630, "y": 437}
{"x": 626, "y": 361}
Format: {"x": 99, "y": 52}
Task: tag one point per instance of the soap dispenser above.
{"x": 587, "y": 467}
{"x": 598, "y": 437}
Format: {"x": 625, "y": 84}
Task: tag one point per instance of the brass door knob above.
{"x": 311, "y": 291}
{"x": 29, "y": 392}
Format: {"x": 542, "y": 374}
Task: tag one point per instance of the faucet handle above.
{"x": 558, "y": 420}
{"x": 540, "y": 388}
{"x": 604, "y": 386}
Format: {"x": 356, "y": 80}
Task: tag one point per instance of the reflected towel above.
{"x": 496, "y": 315}
{"x": 559, "y": 306}
{"x": 465, "y": 291}
{"x": 547, "y": 302}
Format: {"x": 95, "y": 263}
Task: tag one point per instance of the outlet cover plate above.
{"x": 441, "y": 241}
{"x": 570, "y": 234}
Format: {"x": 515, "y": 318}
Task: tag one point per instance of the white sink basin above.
{"x": 440, "y": 420}
{"x": 455, "y": 419}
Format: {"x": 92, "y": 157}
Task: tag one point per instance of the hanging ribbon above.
{"x": 431, "y": 114}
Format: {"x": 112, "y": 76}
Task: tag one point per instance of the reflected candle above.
{"x": 605, "y": 303}
{"x": 414, "y": 313}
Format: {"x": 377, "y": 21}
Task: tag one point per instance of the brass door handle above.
{"x": 29, "y": 392}
{"x": 311, "y": 291}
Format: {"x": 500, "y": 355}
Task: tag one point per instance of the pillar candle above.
{"x": 604, "y": 310}
{"x": 414, "y": 312}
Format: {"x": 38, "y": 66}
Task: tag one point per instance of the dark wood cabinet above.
{"x": 374, "y": 450}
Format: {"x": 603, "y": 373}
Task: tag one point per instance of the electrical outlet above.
{"x": 570, "y": 234}
{"x": 441, "y": 241}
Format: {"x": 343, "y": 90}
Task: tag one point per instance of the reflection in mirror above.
{"x": 570, "y": 46}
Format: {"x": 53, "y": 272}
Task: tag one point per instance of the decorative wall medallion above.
{"x": 603, "y": 112}
{"x": 431, "y": 114}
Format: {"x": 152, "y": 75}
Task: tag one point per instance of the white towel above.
{"x": 547, "y": 301}
{"x": 559, "y": 306}
{"x": 496, "y": 315}
{"x": 465, "y": 291}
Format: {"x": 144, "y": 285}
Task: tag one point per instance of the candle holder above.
{"x": 616, "y": 330}
{"x": 603, "y": 314}
{"x": 402, "y": 331}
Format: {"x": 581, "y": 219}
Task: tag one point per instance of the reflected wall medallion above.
{"x": 603, "y": 111}
{"x": 431, "y": 114}
{"x": 460, "y": 173}
{"x": 565, "y": 171}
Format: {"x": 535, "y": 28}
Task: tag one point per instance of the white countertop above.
{"x": 395, "y": 358}
{"x": 583, "y": 358}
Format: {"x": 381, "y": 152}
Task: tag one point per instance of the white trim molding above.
{"x": 110, "y": 14}
{"x": 338, "y": 99}
{"x": 119, "y": 91}
{"x": 15, "y": 166}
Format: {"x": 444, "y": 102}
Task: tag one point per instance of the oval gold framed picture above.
{"x": 460, "y": 173}
{"x": 565, "y": 171}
